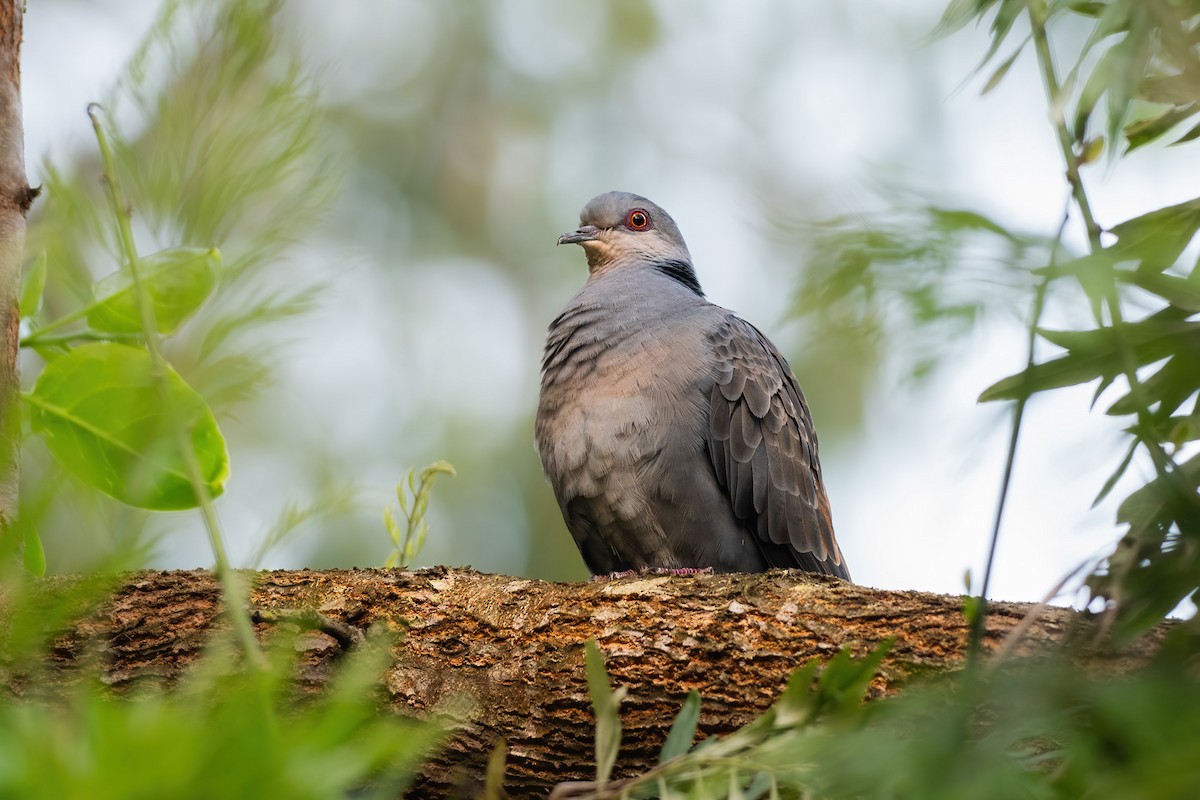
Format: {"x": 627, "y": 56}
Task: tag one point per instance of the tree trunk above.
{"x": 15, "y": 199}
{"x": 515, "y": 647}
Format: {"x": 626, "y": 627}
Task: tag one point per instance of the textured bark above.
{"x": 15, "y": 198}
{"x": 515, "y": 647}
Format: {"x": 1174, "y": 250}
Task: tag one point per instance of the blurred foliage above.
{"x": 928, "y": 273}
{"x": 223, "y": 141}
{"x": 1037, "y": 729}
{"x": 224, "y": 153}
{"x": 223, "y": 731}
{"x": 917, "y": 278}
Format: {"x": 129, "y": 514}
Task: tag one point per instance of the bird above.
{"x": 673, "y": 433}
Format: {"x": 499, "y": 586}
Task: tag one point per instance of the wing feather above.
{"x": 764, "y": 451}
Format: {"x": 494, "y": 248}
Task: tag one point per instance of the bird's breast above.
{"x": 614, "y": 398}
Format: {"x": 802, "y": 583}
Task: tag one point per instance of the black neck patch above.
{"x": 681, "y": 271}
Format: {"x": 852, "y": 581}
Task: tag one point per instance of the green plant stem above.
{"x": 1041, "y": 44}
{"x": 74, "y": 316}
{"x": 36, "y": 339}
{"x": 978, "y": 626}
{"x": 230, "y": 587}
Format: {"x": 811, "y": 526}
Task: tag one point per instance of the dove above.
{"x": 674, "y": 434}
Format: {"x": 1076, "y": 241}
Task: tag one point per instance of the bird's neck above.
{"x": 677, "y": 269}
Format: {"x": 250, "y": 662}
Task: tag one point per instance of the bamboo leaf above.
{"x": 1000, "y": 71}
{"x": 606, "y": 702}
{"x": 1156, "y": 239}
{"x": 1179, "y": 292}
{"x": 1154, "y": 502}
{"x": 1169, "y": 387}
{"x": 683, "y": 729}
{"x": 1145, "y": 131}
{"x": 1002, "y": 25}
{"x": 1189, "y": 136}
{"x": 959, "y": 12}
{"x": 1116, "y": 476}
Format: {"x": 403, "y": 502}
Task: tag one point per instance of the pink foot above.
{"x": 612, "y": 576}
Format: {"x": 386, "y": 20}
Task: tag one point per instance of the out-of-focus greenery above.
{"x": 222, "y": 731}
{"x": 1041, "y": 729}
{"x": 225, "y": 153}
{"x": 924, "y": 275}
{"x": 118, "y": 418}
{"x": 223, "y": 140}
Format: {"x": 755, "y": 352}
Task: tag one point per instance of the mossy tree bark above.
{"x": 514, "y": 648}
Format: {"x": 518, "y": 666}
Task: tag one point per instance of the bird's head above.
{"x": 616, "y": 228}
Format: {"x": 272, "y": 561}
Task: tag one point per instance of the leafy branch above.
{"x": 1149, "y": 46}
{"x": 412, "y": 497}
{"x": 233, "y": 591}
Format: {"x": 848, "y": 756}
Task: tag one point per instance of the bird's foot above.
{"x": 612, "y": 576}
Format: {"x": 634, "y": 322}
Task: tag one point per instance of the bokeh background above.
{"x": 466, "y": 136}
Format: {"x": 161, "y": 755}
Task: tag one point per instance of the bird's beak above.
{"x": 585, "y": 233}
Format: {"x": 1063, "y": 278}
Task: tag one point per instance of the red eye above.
{"x": 637, "y": 220}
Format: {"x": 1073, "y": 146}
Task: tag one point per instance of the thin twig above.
{"x": 1017, "y": 634}
{"x": 979, "y": 621}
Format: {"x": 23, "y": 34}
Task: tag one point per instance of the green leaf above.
{"x": 683, "y": 730}
{"x": 1145, "y": 131}
{"x": 1193, "y": 133}
{"x": 34, "y": 554}
{"x": 1094, "y": 354}
{"x": 1169, "y": 387}
{"x": 106, "y": 418}
{"x": 493, "y": 788}
{"x": 971, "y": 609}
{"x": 1157, "y": 239}
{"x": 1001, "y": 71}
{"x": 1179, "y": 292}
{"x": 1116, "y": 476}
{"x": 178, "y": 281}
{"x": 1083, "y": 8}
{"x": 1094, "y": 272}
{"x": 1133, "y": 56}
{"x": 606, "y": 703}
{"x": 1091, "y": 150}
{"x": 845, "y": 680}
{"x": 959, "y": 12}
{"x": 1002, "y": 24}
{"x": 33, "y": 283}
{"x": 1156, "y": 502}
{"x": 1093, "y": 89}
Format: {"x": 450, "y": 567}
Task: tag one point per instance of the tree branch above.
{"x": 514, "y": 649}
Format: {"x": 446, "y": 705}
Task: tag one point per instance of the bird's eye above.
{"x": 637, "y": 220}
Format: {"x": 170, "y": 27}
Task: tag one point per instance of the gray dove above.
{"x": 673, "y": 433}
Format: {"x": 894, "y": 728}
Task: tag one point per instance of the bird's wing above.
{"x": 764, "y": 451}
